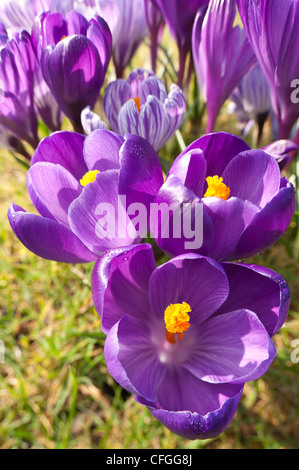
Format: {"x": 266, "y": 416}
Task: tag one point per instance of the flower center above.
{"x": 177, "y": 321}
{"x": 89, "y": 177}
{"x": 216, "y": 188}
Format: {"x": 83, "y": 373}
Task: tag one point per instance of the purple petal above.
{"x": 47, "y": 238}
{"x": 120, "y": 282}
{"x": 56, "y": 188}
{"x": 63, "y": 148}
{"x": 229, "y": 219}
{"x": 220, "y": 404}
{"x": 101, "y": 150}
{"x": 141, "y": 174}
{"x": 268, "y": 225}
{"x": 137, "y": 355}
{"x": 219, "y": 149}
{"x": 96, "y": 214}
{"x": 253, "y": 176}
{"x": 191, "y": 170}
{"x": 233, "y": 347}
{"x": 260, "y": 290}
{"x": 116, "y": 94}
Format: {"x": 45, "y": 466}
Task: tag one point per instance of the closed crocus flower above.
{"x": 17, "y": 109}
{"x": 271, "y": 27}
{"x": 185, "y": 337}
{"x": 140, "y": 105}
{"x": 75, "y": 62}
{"x": 246, "y": 204}
{"x": 82, "y": 188}
{"x": 179, "y": 16}
{"x": 127, "y": 22}
{"x": 251, "y": 100}
{"x": 222, "y": 55}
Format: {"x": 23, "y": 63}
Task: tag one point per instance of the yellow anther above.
{"x": 89, "y": 177}
{"x": 216, "y": 188}
{"x": 177, "y": 321}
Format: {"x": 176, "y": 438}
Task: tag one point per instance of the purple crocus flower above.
{"x": 251, "y": 100}
{"x": 140, "y": 105}
{"x": 222, "y": 55}
{"x": 71, "y": 183}
{"x": 246, "y": 204}
{"x": 155, "y": 23}
{"x": 179, "y": 16}
{"x": 75, "y": 62}
{"x": 185, "y": 337}
{"x": 128, "y": 26}
{"x": 271, "y": 27}
{"x": 17, "y": 109}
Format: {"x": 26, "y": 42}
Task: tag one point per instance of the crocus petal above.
{"x": 268, "y": 225}
{"x": 91, "y": 121}
{"x": 137, "y": 355}
{"x": 219, "y": 149}
{"x": 116, "y": 94}
{"x": 94, "y": 216}
{"x": 56, "y": 188}
{"x": 63, "y": 148}
{"x": 229, "y": 218}
{"x": 191, "y": 170}
{"x": 101, "y": 150}
{"x": 233, "y": 347}
{"x": 193, "y": 424}
{"x": 173, "y": 200}
{"x": 140, "y": 176}
{"x": 253, "y": 176}
{"x": 120, "y": 283}
{"x": 47, "y": 238}
{"x": 190, "y": 278}
{"x": 260, "y": 290}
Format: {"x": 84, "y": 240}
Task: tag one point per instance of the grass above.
{"x": 55, "y": 391}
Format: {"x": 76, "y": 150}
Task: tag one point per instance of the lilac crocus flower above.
{"x": 179, "y": 16}
{"x": 222, "y": 55}
{"x": 271, "y": 27}
{"x": 82, "y": 188}
{"x": 246, "y": 204}
{"x": 127, "y": 22}
{"x": 140, "y": 105}
{"x": 17, "y": 108}
{"x": 251, "y": 100}
{"x": 185, "y": 337}
{"x": 75, "y": 62}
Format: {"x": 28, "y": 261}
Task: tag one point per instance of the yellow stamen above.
{"x": 137, "y": 102}
{"x": 177, "y": 321}
{"x": 216, "y": 188}
{"x": 89, "y": 177}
